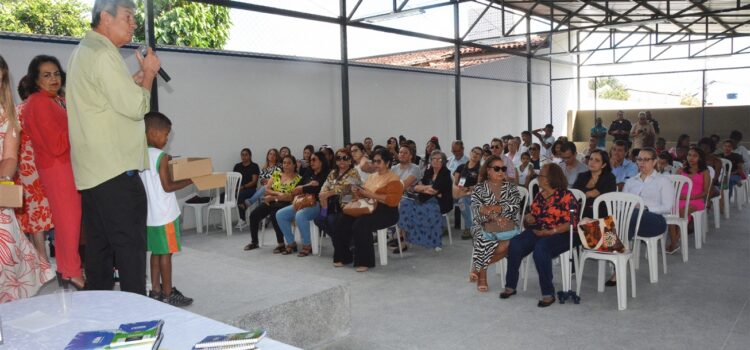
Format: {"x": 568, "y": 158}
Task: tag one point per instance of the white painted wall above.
{"x": 386, "y": 103}
{"x": 491, "y": 109}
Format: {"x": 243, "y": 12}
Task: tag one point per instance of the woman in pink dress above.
{"x": 696, "y": 170}
{"x": 35, "y": 217}
{"x": 46, "y": 123}
{"x": 22, "y": 272}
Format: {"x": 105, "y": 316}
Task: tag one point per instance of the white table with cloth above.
{"x": 42, "y": 323}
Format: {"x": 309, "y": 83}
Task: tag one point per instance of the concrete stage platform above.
{"x": 261, "y": 289}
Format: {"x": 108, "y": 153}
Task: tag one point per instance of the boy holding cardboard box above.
{"x": 163, "y": 221}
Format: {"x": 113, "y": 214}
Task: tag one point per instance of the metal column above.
{"x": 151, "y": 41}
{"x": 344, "y": 73}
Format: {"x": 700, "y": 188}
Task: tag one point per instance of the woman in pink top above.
{"x": 697, "y": 171}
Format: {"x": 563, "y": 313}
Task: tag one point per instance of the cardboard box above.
{"x": 188, "y": 168}
{"x": 207, "y": 182}
{"x": 11, "y": 196}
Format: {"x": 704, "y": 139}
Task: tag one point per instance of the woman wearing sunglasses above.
{"x": 337, "y": 190}
{"x": 382, "y": 186}
{"x": 495, "y": 202}
{"x": 546, "y": 234}
{"x": 422, "y": 218}
{"x": 312, "y": 179}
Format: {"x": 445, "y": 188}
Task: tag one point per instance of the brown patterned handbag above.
{"x": 600, "y": 235}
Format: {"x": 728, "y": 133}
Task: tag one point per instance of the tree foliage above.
{"x": 609, "y": 88}
{"x": 176, "y": 22}
{"x": 185, "y": 23}
{"x": 49, "y": 17}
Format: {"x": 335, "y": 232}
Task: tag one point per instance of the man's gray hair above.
{"x": 109, "y": 6}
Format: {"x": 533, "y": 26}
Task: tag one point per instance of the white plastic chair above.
{"x": 716, "y": 207}
{"x": 621, "y": 206}
{"x": 198, "y": 208}
{"x": 700, "y": 217}
{"x": 383, "y": 244}
{"x": 448, "y": 223}
{"x": 315, "y": 240}
{"x": 231, "y": 191}
{"x": 502, "y": 266}
{"x": 726, "y": 166}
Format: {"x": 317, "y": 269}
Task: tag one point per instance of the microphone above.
{"x": 144, "y": 51}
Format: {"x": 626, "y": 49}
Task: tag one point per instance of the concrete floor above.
{"x": 424, "y": 300}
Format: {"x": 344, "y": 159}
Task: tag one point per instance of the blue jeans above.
{"x": 464, "y": 203}
{"x": 257, "y": 196}
{"x": 544, "y": 248}
{"x": 302, "y": 217}
{"x": 652, "y": 224}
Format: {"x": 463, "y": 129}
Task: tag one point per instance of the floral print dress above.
{"x": 35, "y": 215}
{"x": 22, "y": 272}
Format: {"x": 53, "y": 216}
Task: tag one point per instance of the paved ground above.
{"x": 424, "y": 300}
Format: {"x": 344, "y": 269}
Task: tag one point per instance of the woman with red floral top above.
{"x": 546, "y": 234}
{"x": 46, "y": 123}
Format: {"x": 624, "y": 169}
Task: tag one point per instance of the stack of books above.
{"x": 131, "y": 336}
{"x": 234, "y": 341}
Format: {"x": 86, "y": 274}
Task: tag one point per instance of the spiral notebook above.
{"x": 234, "y": 339}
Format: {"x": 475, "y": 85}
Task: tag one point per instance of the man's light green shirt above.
{"x": 105, "y": 113}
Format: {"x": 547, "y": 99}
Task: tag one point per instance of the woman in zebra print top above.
{"x": 494, "y": 202}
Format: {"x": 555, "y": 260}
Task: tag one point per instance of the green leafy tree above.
{"x": 185, "y": 23}
{"x": 609, "y": 88}
{"x": 49, "y": 17}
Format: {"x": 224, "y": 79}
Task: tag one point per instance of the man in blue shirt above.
{"x": 600, "y": 132}
{"x": 622, "y": 168}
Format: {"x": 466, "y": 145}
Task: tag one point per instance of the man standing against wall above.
{"x": 106, "y": 106}
{"x": 620, "y": 128}
{"x": 600, "y": 132}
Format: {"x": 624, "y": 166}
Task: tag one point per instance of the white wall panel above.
{"x": 491, "y": 109}
{"x": 386, "y": 103}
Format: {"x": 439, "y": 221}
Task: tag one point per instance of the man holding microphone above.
{"x": 106, "y": 106}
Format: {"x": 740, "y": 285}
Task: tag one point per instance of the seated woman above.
{"x": 249, "y": 184}
{"x": 382, "y": 186}
{"x": 598, "y": 180}
{"x": 465, "y": 178}
{"x": 314, "y": 176}
{"x": 422, "y": 218}
{"x": 546, "y": 234}
{"x": 696, "y": 170}
{"x": 495, "y": 203}
{"x": 278, "y": 195}
{"x": 273, "y": 164}
{"x": 408, "y": 172}
{"x": 337, "y": 190}
{"x": 657, "y": 193}
{"x": 303, "y": 163}
{"x": 392, "y": 146}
